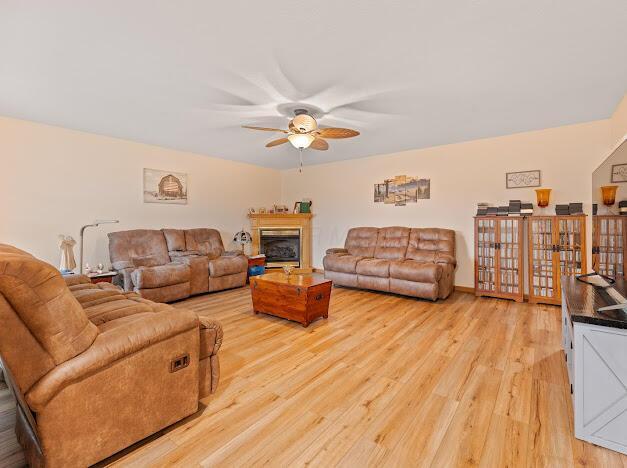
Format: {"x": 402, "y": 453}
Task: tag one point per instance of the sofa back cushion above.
{"x": 362, "y": 241}
{"x": 124, "y": 246}
{"x": 175, "y": 239}
{"x": 43, "y": 324}
{"x": 392, "y": 243}
{"x": 206, "y": 241}
{"x": 426, "y": 243}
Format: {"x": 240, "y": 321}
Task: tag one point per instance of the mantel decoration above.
{"x": 402, "y": 190}
{"x": 165, "y": 187}
{"x": 522, "y": 179}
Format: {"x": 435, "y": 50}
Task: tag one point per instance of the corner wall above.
{"x": 461, "y": 176}
{"x": 55, "y": 180}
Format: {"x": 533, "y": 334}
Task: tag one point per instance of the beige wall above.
{"x": 619, "y": 122}
{"x": 603, "y": 176}
{"x": 54, "y": 180}
{"x": 461, "y": 176}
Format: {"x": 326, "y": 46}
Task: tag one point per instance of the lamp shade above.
{"x": 301, "y": 140}
{"x": 243, "y": 237}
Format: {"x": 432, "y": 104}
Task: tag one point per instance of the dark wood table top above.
{"x": 583, "y": 300}
{"x": 304, "y": 281}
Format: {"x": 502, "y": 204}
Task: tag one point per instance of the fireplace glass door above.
{"x": 280, "y": 246}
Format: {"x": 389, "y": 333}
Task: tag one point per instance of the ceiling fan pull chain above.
{"x": 300, "y": 169}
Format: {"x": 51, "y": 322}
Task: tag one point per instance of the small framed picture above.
{"x": 619, "y": 173}
{"x": 522, "y": 179}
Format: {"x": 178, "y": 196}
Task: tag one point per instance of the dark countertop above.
{"x": 583, "y": 300}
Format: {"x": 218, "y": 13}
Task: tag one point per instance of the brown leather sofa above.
{"x": 95, "y": 369}
{"x": 170, "y": 264}
{"x": 417, "y": 262}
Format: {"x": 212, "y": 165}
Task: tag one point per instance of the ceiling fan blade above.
{"x": 319, "y": 144}
{"x": 280, "y": 141}
{"x": 265, "y": 129}
{"x": 337, "y": 132}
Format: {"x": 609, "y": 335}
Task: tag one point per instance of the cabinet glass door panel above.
{"x": 610, "y": 253}
{"x": 542, "y": 280}
{"x": 570, "y": 243}
{"x": 486, "y": 258}
{"x": 508, "y": 251}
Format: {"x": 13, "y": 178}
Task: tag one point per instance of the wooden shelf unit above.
{"x": 608, "y": 245}
{"x": 556, "y": 247}
{"x": 499, "y": 257}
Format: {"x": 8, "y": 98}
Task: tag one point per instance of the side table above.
{"x": 104, "y": 277}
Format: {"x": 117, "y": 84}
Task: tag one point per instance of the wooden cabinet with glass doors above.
{"x": 608, "y": 245}
{"x": 499, "y": 257}
{"x": 557, "y": 246}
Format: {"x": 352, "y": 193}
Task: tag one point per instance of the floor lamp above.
{"x": 98, "y": 222}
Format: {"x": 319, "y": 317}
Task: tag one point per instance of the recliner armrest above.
{"x": 72, "y": 280}
{"x": 210, "y": 337}
{"x": 109, "y": 347}
{"x": 336, "y": 251}
{"x": 445, "y": 258}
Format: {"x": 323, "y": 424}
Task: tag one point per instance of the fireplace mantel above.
{"x": 300, "y": 221}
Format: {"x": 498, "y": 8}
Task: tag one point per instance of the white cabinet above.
{"x": 596, "y": 357}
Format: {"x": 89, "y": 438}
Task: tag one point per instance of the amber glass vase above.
{"x": 543, "y": 197}
{"x": 608, "y": 193}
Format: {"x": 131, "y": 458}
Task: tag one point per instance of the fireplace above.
{"x": 280, "y": 246}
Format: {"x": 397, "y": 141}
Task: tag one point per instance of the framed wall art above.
{"x": 165, "y": 187}
{"x": 522, "y": 179}
{"x": 619, "y": 173}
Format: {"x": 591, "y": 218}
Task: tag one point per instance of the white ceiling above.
{"x": 406, "y": 73}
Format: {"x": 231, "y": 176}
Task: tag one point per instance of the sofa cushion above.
{"x": 392, "y": 243}
{"x": 373, "y": 267}
{"x": 159, "y": 276}
{"x": 223, "y": 266}
{"x": 124, "y": 245}
{"x": 206, "y": 241}
{"x": 145, "y": 261}
{"x": 425, "y": 242}
{"x": 341, "y": 263}
{"x": 175, "y": 239}
{"x": 362, "y": 241}
{"x": 412, "y": 270}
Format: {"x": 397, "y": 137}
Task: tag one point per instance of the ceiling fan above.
{"x": 303, "y": 132}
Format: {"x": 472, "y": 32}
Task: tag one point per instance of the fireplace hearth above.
{"x": 280, "y": 246}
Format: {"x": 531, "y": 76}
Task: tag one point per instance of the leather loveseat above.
{"x": 95, "y": 369}
{"x": 170, "y": 264}
{"x": 417, "y": 262}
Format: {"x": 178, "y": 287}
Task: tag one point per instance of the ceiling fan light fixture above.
{"x": 304, "y": 123}
{"x": 301, "y": 140}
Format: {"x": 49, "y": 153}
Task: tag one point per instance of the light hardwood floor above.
{"x": 385, "y": 381}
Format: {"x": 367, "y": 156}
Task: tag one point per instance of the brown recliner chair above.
{"x": 95, "y": 370}
{"x": 170, "y": 264}
{"x": 417, "y": 262}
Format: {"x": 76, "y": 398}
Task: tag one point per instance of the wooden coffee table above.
{"x": 302, "y": 298}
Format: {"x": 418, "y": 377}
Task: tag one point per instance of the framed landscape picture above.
{"x": 522, "y": 179}
{"x": 165, "y": 187}
{"x": 619, "y": 173}
{"x": 401, "y": 190}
